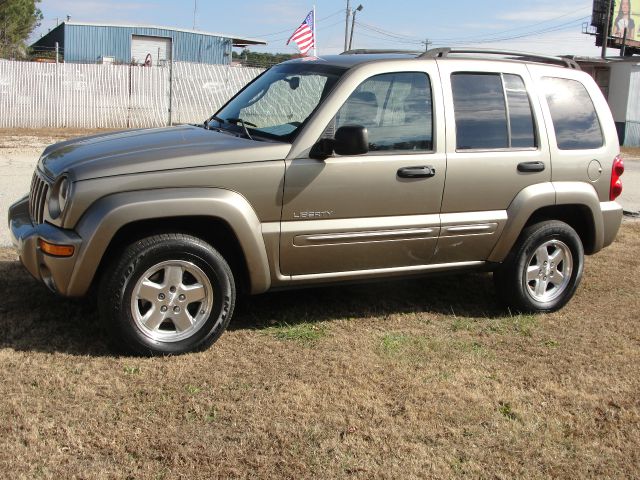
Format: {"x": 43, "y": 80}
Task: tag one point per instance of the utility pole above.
{"x": 346, "y": 26}
{"x": 195, "y": 12}
{"x": 607, "y": 25}
{"x": 427, "y": 42}
{"x": 353, "y": 23}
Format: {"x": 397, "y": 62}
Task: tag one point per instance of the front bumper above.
{"x": 54, "y": 272}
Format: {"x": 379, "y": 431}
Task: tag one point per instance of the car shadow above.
{"x": 34, "y": 319}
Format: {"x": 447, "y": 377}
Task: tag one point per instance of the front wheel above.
{"x": 167, "y": 294}
{"x": 543, "y": 270}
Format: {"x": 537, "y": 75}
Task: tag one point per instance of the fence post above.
{"x": 170, "y": 92}
{"x": 129, "y": 98}
{"x": 64, "y": 94}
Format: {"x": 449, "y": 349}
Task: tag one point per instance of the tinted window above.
{"x": 574, "y": 117}
{"x": 481, "y": 117}
{"x": 396, "y": 109}
{"x": 520, "y": 114}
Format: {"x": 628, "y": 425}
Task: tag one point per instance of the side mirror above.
{"x": 351, "y": 140}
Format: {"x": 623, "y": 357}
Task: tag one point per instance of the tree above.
{"x": 264, "y": 60}
{"x": 18, "y": 18}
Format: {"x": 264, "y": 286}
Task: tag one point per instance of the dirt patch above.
{"x": 22, "y": 138}
{"x": 633, "y": 151}
{"x": 425, "y": 378}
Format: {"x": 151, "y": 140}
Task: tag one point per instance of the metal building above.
{"x": 619, "y": 80}
{"x": 82, "y": 42}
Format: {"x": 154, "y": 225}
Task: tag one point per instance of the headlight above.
{"x": 59, "y": 196}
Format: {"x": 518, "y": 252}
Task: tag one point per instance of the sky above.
{"x": 540, "y": 26}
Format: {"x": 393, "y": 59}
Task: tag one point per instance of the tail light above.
{"x": 616, "y": 172}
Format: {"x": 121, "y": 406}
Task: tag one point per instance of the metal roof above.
{"x": 237, "y": 40}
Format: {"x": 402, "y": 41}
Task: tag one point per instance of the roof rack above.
{"x": 365, "y": 51}
{"x": 530, "y": 57}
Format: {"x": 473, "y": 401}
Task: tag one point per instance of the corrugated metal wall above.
{"x": 38, "y": 95}
{"x": 632, "y": 133}
{"x": 87, "y": 43}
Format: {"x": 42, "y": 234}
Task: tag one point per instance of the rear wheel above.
{"x": 544, "y": 268}
{"x": 168, "y": 294}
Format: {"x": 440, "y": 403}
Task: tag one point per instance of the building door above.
{"x": 150, "y": 50}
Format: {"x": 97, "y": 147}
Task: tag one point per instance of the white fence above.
{"x": 40, "y": 95}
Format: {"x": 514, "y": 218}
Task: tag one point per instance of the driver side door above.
{"x": 366, "y": 214}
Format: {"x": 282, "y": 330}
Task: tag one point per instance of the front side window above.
{"x": 492, "y": 112}
{"x": 574, "y": 116}
{"x": 280, "y": 101}
{"x": 395, "y": 108}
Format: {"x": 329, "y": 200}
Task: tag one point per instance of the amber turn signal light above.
{"x": 56, "y": 250}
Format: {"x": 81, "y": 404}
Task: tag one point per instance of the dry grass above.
{"x": 426, "y": 378}
{"x": 635, "y": 151}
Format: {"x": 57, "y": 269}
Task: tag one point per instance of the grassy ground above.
{"x": 425, "y": 378}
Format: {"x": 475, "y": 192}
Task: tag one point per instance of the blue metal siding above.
{"x": 87, "y": 43}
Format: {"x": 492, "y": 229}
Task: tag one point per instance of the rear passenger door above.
{"x": 497, "y": 147}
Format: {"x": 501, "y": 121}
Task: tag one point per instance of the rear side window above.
{"x": 574, "y": 116}
{"x": 492, "y": 112}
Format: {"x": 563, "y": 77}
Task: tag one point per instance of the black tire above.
{"x": 118, "y": 307}
{"x": 534, "y": 295}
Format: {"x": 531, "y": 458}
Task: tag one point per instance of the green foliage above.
{"x": 506, "y": 411}
{"x": 264, "y": 60}
{"x": 18, "y": 18}
{"x": 304, "y": 333}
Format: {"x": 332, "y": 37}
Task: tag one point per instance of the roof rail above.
{"x": 366, "y": 51}
{"x": 531, "y": 57}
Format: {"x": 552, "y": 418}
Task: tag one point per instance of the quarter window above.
{"x": 575, "y": 121}
{"x": 396, "y": 108}
{"x": 520, "y": 115}
{"x": 492, "y": 112}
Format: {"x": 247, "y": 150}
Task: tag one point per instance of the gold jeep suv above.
{"x": 342, "y": 168}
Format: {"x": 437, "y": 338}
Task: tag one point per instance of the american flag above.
{"x": 304, "y": 36}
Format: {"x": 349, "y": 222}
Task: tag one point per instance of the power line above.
{"x": 521, "y": 28}
{"x": 275, "y": 40}
{"x": 290, "y": 30}
{"x": 555, "y": 28}
{"x": 494, "y": 36}
{"x": 406, "y": 40}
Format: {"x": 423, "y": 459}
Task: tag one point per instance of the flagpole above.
{"x": 315, "y": 33}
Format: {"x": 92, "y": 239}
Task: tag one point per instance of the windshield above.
{"x": 277, "y": 103}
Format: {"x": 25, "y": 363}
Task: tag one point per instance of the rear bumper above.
{"x": 611, "y": 220}
{"x": 54, "y": 272}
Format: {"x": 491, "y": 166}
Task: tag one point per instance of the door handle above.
{"x": 424, "y": 171}
{"x": 526, "y": 167}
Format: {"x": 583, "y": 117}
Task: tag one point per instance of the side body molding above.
{"x": 542, "y": 195}
{"x": 105, "y": 217}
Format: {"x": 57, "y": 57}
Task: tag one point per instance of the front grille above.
{"x": 38, "y": 198}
